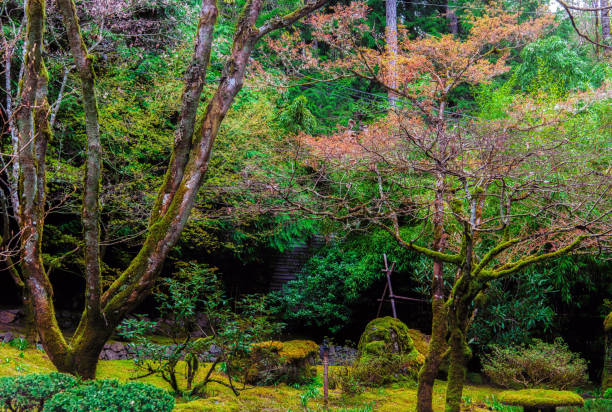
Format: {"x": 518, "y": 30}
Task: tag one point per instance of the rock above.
{"x": 387, "y": 353}
{"x": 117, "y": 347}
{"x": 8, "y": 336}
{"x": 7, "y": 316}
{"x": 112, "y": 355}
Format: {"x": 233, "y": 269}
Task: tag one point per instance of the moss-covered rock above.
{"x": 387, "y": 353}
{"x": 533, "y": 400}
{"x": 384, "y": 334}
{"x": 275, "y": 361}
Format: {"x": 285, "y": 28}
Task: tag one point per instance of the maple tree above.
{"x": 493, "y": 195}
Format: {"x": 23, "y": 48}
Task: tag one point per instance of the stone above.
{"x": 8, "y": 336}
{"x": 7, "y": 316}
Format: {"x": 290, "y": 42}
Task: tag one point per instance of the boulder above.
{"x": 384, "y": 335}
{"x": 387, "y": 353}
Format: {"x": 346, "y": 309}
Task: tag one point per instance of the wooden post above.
{"x": 325, "y": 373}
{"x": 388, "y": 271}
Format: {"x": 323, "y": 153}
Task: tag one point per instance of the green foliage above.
{"x": 311, "y": 392}
{"x": 297, "y": 118}
{"x": 334, "y": 279}
{"x": 595, "y": 405}
{"x": 344, "y": 379}
{"x": 110, "y": 395}
{"x": 516, "y": 309}
{"x": 194, "y": 291}
{"x": 544, "y": 365}
{"x": 550, "y": 65}
{"x": 30, "y": 392}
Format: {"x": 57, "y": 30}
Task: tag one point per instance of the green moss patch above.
{"x": 540, "y": 398}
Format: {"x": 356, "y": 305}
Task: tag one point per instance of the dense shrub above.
{"x": 29, "y": 392}
{"x": 545, "y": 365}
{"x": 111, "y": 396}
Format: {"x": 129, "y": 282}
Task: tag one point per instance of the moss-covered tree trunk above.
{"x": 104, "y": 310}
{"x": 434, "y": 357}
{"x": 437, "y": 343}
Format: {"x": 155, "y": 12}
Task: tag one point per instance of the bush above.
{"x": 544, "y": 365}
{"x": 344, "y": 379}
{"x": 112, "y": 396}
{"x": 29, "y": 392}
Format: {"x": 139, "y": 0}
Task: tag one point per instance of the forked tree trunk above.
{"x": 192, "y": 150}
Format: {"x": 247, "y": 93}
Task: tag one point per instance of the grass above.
{"x": 267, "y": 398}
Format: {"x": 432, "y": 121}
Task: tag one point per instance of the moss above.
{"x": 298, "y": 349}
{"x": 540, "y": 398}
{"x": 221, "y": 399}
{"x": 274, "y": 361}
{"x": 391, "y": 332}
{"x": 420, "y": 340}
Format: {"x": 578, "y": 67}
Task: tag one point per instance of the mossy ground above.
{"x": 271, "y": 398}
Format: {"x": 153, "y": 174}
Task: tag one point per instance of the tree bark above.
{"x": 459, "y": 355}
{"x": 391, "y": 39}
{"x": 605, "y": 20}
{"x": 437, "y": 343}
{"x": 191, "y": 154}
{"x": 451, "y": 18}
{"x": 435, "y": 355}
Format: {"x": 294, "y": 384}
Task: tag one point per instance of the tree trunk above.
{"x": 439, "y": 324}
{"x": 435, "y": 355}
{"x": 605, "y": 20}
{"x": 391, "y": 39}
{"x": 453, "y": 22}
{"x": 459, "y": 355}
{"x": 103, "y": 312}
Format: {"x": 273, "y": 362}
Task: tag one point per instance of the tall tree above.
{"x": 104, "y": 309}
{"x": 391, "y": 39}
{"x": 491, "y": 193}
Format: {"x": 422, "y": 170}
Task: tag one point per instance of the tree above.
{"x": 194, "y": 140}
{"x": 391, "y": 38}
{"x": 495, "y": 195}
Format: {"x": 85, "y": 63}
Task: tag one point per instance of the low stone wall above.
{"x": 11, "y": 318}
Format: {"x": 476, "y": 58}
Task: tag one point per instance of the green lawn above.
{"x": 268, "y": 398}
